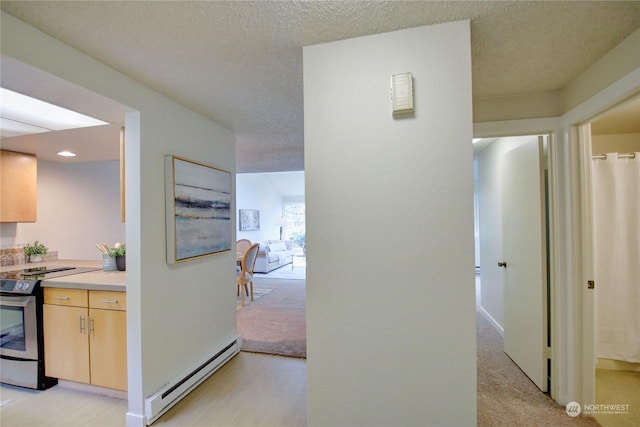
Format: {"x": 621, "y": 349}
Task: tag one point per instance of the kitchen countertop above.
{"x": 98, "y": 280}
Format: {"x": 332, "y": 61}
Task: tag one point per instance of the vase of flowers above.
{"x": 34, "y": 252}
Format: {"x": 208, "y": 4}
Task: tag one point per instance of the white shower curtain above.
{"x": 616, "y": 197}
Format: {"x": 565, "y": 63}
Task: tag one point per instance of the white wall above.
{"x": 176, "y": 315}
{"x": 489, "y": 191}
{"x": 618, "y": 143}
{"x": 78, "y": 205}
{"x": 476, "y": 224}
{"x": 256, "y": 191}
{"x": 390, "y": 273}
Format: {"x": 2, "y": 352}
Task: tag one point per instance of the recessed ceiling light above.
{"x": 66, "y": 154}
{"x": 22, "y": 115}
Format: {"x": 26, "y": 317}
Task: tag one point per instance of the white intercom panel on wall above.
{"x": 402, "y": 93}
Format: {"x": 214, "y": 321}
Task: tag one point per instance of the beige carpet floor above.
{"x": 506, "y": 396}
{"x": 257, "y": 294}
{"x": 276, "y": 322}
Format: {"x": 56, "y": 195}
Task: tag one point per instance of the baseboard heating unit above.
{"x": 160, "y": 402}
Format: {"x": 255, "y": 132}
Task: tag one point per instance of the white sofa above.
{"x": 273, "y": 254}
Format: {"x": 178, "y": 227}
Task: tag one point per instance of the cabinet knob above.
{"x": 502, "y": 264}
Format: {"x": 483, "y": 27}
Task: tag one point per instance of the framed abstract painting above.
{"x": 198, "y": 209}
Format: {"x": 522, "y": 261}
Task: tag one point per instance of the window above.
{"x": 294, "y": 213}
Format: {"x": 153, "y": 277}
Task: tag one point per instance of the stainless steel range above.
{"x": 21, "y": 331}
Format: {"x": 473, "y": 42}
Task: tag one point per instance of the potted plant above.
{"x": 35, "y": 251}
{"x": 300, "y": 239}
{"x": 119, "y": 252}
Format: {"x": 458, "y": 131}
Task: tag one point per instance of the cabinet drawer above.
{"x": 108, "y": 300}
{"x": 61, "y": 296}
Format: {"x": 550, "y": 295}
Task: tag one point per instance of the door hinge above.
{"x": 547, "y": 352}
{"x": 591, "y": 284}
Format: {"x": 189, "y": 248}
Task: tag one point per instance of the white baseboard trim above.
{"x": 135, "y": 420}
{"x": 617, "y": 365}
{"x": 164, "y": 399}
{"x": 493, "y": 322}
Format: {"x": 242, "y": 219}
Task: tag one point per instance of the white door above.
{"x": 524, "y": 252}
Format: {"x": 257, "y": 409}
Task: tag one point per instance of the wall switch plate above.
{"x": 402, "y": 93}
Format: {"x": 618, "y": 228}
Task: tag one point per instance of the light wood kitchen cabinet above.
{"x": 66, "y": 348}
{"x": 108, "y": 339}
{"x": 85, "y": 336}
{"x": 18, "y": 176}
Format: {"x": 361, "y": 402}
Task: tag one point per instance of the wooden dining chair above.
{"x": 242, "y": 245}
{"x": 244, "y": 281}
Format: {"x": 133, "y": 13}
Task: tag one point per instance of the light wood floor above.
{"x": 250, "y": 390}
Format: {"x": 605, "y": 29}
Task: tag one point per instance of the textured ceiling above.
{"x": 240, "y": 62}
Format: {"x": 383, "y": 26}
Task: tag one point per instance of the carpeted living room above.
{"x": 274, "y": 322}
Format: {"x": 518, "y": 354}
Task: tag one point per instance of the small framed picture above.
{"x": 249, "y": 220}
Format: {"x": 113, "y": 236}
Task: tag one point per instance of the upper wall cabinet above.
{"x": 18, "y": 195}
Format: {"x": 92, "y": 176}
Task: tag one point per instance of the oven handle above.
{"x": 16, "y": 301}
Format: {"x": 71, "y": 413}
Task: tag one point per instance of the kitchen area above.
{"x": 79, "y": 202}
{"x": 63, "y": 315}
{"x": 72, "y": 312}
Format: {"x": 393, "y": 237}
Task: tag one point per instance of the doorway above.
{"x": 513, "y": 248}
{"x": 275, "y": 321}
{"x": 69, "y": 225}
{"x": 614, "y": 144}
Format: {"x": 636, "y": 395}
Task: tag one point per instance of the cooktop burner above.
{"x": 42, "y": 270}
{"x": 18, "y": 281}
{"x": 31, "y": 273}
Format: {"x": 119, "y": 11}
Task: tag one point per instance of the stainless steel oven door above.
{"x": 18, "y": 327}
